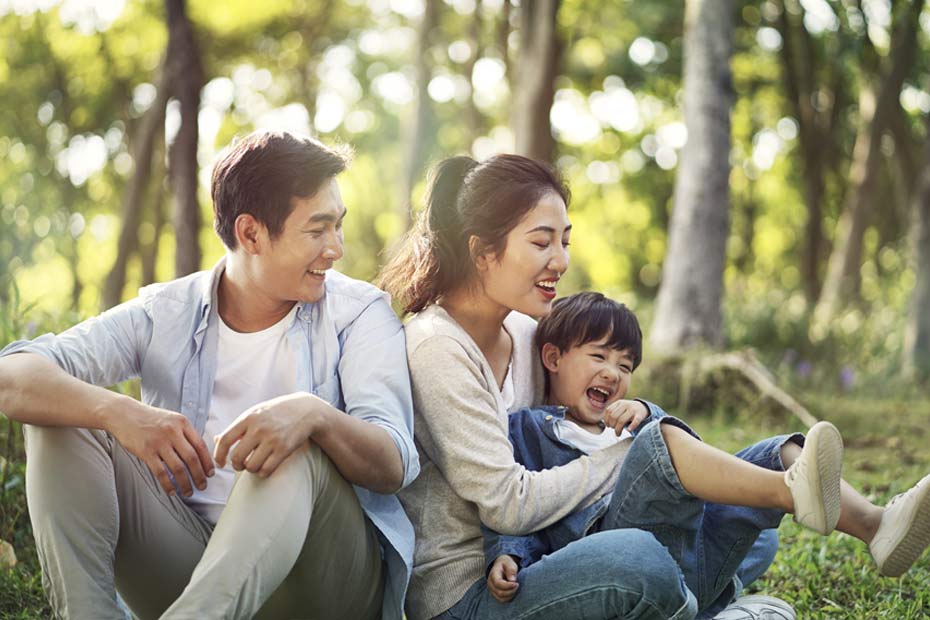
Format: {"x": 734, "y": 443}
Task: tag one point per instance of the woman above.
{"x": 486, "y": 255}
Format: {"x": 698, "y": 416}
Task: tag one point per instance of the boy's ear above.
{"x": 551, "y": 356}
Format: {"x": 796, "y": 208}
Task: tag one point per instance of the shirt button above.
{"x": 548, "y": 417}
{"x": 190, "y": 403}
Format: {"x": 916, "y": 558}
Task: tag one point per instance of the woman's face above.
{"x": 523, "y": 277}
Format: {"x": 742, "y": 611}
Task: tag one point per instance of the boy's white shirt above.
{"x": 251, "y": 368}
{"x": 570, "y": 433}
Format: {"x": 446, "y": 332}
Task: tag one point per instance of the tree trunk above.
{"x": 149, "y": 253}
{"x": 538, "y": 65}
{"x": 688, "y": 310}
{"x": 423, "y": 115}
{"x": 798, "y": 77}
{"x": 474, "y": 121}
{"x": 917, "y": 333}
{"x": 182, "y": 154}
{"x": 842, "y": 280}
{"x": 144, "y": 145}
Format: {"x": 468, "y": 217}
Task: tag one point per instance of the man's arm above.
{"x": 372, "y": 446}
{"x": 269, "y": 432}
{"x": 48, "y": 382}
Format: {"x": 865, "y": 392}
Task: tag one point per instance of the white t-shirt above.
{"x": 250, "y": 368}
{"x": 572, "y": 434}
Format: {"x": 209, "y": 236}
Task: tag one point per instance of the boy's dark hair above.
{"x": 260, "y": 173}
{"x": 585, "y": 317}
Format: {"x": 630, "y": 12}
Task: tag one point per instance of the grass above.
{"x": 824, "y": 578}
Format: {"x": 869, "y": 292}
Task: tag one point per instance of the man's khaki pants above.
{"x": 294, "y": 545}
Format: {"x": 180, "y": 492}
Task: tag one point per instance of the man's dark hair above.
{"x": 585, "y": 317}
{"x": 262, "y": 172}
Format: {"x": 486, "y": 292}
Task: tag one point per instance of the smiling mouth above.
{"x": 547, "y": 287}
{"x": 317, "y": 272}
{"x": 598, "y": 396}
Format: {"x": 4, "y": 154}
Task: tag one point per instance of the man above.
{"x": 256, "y": 475}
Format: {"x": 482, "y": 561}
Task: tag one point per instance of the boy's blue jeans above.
{"x": 715, "y": 545}
{"x": 660, "y": 553}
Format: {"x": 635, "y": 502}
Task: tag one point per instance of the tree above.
{"x": 842, "y": 280}
{"x": 150, "y": 130}
{"x": 423, "y": 119}
{"x": 688, "y": 310}
{"x": 537, "y": 68}
{"x": 917, "y": 335}
{"x": 182, "y": 154}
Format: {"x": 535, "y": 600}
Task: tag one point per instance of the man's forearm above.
{"x": 34, "y": 390}
{"x": 364, "y": 453}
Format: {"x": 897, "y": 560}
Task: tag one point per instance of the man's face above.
{"x": 293, "y": 266}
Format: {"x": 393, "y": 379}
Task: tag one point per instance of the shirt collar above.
{"x": 208, "y": 292}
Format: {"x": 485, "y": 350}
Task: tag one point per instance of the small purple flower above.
{"x": 804, "y": 369}
{"x": 30, "y": 330}
{"x": 847, "y": 377}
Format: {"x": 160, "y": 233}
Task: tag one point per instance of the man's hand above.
{"x": 268, "y": 433}
{"x": 164, "y": 439}
{"x": 628, "y": 413}
{"x": 502, "y": 579}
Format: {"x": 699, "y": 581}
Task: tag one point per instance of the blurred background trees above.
{"x": 807, "y": 158}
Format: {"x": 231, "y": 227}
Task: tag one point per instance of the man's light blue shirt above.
{"x": 350, "y": 349}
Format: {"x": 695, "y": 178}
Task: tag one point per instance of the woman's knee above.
{"x": 643, "y": 573}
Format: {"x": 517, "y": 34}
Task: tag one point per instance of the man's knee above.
{"x": 63, "y": 440}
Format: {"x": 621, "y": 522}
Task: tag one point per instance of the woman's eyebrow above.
{"x": 548, "y": 229}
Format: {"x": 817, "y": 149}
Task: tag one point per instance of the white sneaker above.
{"x": 814, "y": 479}
{"x": 904, "y": 532}
{"x": 757, "y": 608}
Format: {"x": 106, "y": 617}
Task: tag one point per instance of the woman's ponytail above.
{"x": 429, "y": 256}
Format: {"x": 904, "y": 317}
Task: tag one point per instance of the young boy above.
{"x": 706, "y": 506}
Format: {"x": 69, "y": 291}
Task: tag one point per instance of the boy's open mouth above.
{"x": 598, "y": 396}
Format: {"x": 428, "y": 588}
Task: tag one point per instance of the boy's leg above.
{"x": 101, "y": 522}
{"x": 611, "y": 575}
{"x": 296, "y": 544}
{"x": 649, "y": 495}
{"x": 727, "y": 529}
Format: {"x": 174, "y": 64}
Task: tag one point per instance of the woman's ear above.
{"x": 551, "y": 356}
{"x": 478, "y": 255}
{"x": 249, "y": 233}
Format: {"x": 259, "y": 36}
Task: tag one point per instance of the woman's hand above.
{"x": 628, "y": 413}
{"x": 502, "y": 579}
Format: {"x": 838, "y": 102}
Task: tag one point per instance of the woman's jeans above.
{"x": 660, "y": 553}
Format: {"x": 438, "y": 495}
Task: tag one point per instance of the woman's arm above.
{"x": 463, "y": 433}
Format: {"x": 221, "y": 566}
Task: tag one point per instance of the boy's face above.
{"x": 587, "y": 378}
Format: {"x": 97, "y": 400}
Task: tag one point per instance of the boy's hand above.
{"x": 502, "y": 579}
{"x": 625, "y": 413}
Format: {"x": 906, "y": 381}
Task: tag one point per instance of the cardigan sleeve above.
{"x": 465, "y": 434}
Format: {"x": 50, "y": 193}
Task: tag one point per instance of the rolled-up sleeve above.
{"x": 375, "y": 380}
{"x": 103, "y": 350}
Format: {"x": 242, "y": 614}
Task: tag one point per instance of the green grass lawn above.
{"x": 823, "y": 578}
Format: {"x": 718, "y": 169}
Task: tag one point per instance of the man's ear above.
{"x": 551, "y": 356}
{"x": 250, "y": 233}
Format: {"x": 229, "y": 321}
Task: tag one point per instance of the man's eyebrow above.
{"x": 326, "y": 217}
{"x": 548, "y": 229}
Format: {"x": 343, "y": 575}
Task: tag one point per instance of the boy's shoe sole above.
{"x": 902, "y": 539}
{"x": 757, "y": 608}
{"x": 814, "y": 479}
